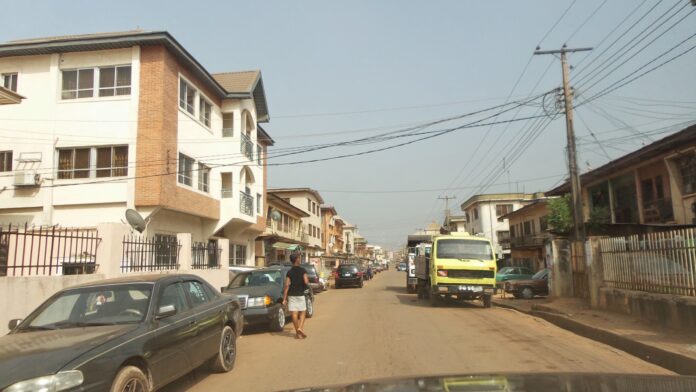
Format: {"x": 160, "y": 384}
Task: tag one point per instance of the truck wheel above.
{"x": 527, "y": 293}
{"x": 487, "y": 301}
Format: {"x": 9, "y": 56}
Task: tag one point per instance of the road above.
{"x": 381, "y": 331}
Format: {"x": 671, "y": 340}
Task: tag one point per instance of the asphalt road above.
{"x": 381, "y": 331}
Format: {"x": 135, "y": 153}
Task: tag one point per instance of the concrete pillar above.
{"x": 185, "y": 240}
{"x": 562, "y": 274}
{"x": 224, "y": 244}
{"x": 110, "y": 248}
{"x": 596, "y": 271}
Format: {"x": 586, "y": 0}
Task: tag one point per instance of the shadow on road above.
{"x": 263, "y": 329}
{"x": 412, "y": 299}
{"x": 187, "y": 381}
{"x": 398, "y": 289}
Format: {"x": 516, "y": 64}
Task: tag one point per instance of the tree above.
{"x": 561, "y": 214}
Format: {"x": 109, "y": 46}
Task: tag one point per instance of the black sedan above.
{"x": 348, "y": 275}
{"x": 126, "y": 334}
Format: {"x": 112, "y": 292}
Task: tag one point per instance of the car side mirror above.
{"x": 166, "y": 311}
{"x": 13, "y": 324}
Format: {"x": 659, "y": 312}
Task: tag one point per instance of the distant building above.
{"x": 310, "y": 201}
{"x": 529, "y": 235}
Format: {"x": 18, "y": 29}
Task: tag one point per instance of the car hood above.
{"x": 256, "y": 291}
{"x": 533, "y": 382}
{"x": 38, "y": 353}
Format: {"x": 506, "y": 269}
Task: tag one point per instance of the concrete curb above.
{"x": 669, "y": 360}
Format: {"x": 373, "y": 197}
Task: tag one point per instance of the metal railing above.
{"x": 26, "y": 251}
{"x": 205, "y": 255}
{"x": 227, "y": 132}
{"x": 247, "y": 147}
{"x": 654, "y": 262}
{"x": 528, "y": 240}
{"x": 246, "y": 204}
{"x": 149, "y": 254}
{"x": 226, "y": 193}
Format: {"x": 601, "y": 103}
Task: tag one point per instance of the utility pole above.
{"x": 578, "y": 220}
{"x": 447, "y": 199}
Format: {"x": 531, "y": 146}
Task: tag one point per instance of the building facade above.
{"x": 529, "y": 235}
{"x": 284, "y": 232}
{"x": 310, "y": 201}
{"x": 132, "y": 121}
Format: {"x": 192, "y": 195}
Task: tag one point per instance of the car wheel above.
{"x": 487, "y": 301}
{"x": 278, "y": 321}
{"x": 310, "y": 308}
{"x": 527, "y": 293}
{"x": 130, "y": 379}
{"x": 227, "y": 352}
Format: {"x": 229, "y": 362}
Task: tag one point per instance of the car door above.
{"x": 541, "y": 285}
{"x": 169, "y": 347}
{"x": 209, "y": 321}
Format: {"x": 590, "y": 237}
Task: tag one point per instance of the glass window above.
{"x": 240, "y": 280}
{"x": 112, "y": 161}
{"x": 204, "y": 110}
{"x": 227, "y": 124}
{"x": 74, "y": 163}
{"x": 174, "y": 295}
{"x": 9, "y": 81}
{"x": 5, "y": 161}
{"x": 185, "y": 170}
{"x": 203, "y": 178}
{"x": 475, "y": 213}
{"x": 196, "y": 292}
{"x": 114, "y": 81}
{"x": 78, "y": 83}
{"x": 502, "y": 209}
{"x": 187, "y": 96}
{"x": 240, "y": 254}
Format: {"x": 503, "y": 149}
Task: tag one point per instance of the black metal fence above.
{"x": 205, "y": 255}
{"x": 27, "y": 251}
{"x": 150, "y": 254}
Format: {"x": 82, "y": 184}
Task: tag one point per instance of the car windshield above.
{"x": 505, "y": 270}
{"x": 256, "y": 278}
{"x": 539, "y": 274}
{"x": 464, "y": 249}
{"x": 92, "y": 306}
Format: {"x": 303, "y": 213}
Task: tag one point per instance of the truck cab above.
{"x": 460, "y": 266}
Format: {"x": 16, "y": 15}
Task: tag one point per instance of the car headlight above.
{"x": 259, "y": 302}
{"x": 53, "y": 383}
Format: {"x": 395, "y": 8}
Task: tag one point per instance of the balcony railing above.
{"x": 528, "y": 241}
{"x": 247, "y": 147}
{"x": 227, "y": 132}
{"x": 226, "y": 193}
{"x": 246, "y": 204}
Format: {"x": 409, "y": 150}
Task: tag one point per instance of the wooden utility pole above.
{"x": 447, "y": 199}
{"x": 578, "y": 220}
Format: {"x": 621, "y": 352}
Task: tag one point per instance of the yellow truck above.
{"x": 459, "y": 266}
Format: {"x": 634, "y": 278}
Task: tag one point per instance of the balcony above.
{"x": 227, "y": 132}
{"x": 226, "y": 193}
{"x": 246, "y": 204}
{"x": 247, "y": 147}
{"x": 528, "y": 241}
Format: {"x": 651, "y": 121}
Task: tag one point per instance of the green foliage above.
{"x": 561, "y": 214}
{"x": 598, "y": 216}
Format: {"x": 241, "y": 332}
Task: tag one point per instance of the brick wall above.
{"x": 156, "y": 151}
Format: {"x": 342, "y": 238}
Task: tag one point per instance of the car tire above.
{"x": 278, "y": 321}
{"x": 310, "y": 308}
{"x": 223, "y": 362}
{"x": 129, "y": 377}
{"x": 487, "y": 301}
{"x": 527, "y": 293}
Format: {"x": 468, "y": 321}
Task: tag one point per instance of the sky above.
{"x": 339, "y": 71}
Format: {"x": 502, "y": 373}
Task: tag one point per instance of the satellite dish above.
{"x": 135, "y": 220}
{"x": 275, "y": 215}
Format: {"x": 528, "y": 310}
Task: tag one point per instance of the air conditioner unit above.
{"x": 26, "y": 178}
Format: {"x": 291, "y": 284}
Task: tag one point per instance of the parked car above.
{"x": 313, "y": 277}
{"x": 401, "y": 267}
{"x": 260, "y": 294}
{"x": 528, "y": 288}
{"x": 513, "y": 273}
{"x": 235, "y": 269}
{"x": 134, "y": 333}
{"x": 348, "y": 275}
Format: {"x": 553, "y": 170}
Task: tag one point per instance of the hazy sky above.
{"x": 337, "y": 71}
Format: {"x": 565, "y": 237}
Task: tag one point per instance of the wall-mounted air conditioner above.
{"x": 26, "y": 178}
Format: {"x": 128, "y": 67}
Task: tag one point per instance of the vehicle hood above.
{"x": 38, "y": 353}
{"x": 256, "y": 291}
{"x": 532, "y": 382}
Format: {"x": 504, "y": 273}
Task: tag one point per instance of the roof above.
{"x": 299, "y": 190}
{"x": 337, "y": 218}
{"x": 671, "y": 143}
{"x": 272, "y": 198}
{"x": 264, "y": 137}
{"x": 491, "y": 197}
{"x": 329, "y": 208}
{"x": 520, "y": 211}
{"x": 126, "y": 39}
{"x": 8, "y": 96}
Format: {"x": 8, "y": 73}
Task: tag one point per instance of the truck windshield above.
{"x": 464, "y": 249}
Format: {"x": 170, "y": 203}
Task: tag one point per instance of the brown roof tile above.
{"x": 238, "y": 82}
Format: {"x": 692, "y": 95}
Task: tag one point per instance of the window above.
{"x": 196, "y": 292}
{"x": 204, "y": 109}
{"x": 646, "y": 187}
{"x": 309, "y": 205}
{"x": 114, "y": 81}
{"x": 659, "y": 190}
{"x": 174, "y": 295}
{"x": 185, "y": 169}
{"x": 112, "y": 161}
{"x": 527, "y": 228}
{"x": 9, "y": 81}
{"x": 512, "y": 231}
{"x": 5, "y": 161}
{"x": 227, "y": 124}
{"x": 543, "y": 223}
{"x": 187, "y": 96}
{"x": 686, "y": 164}
{"x": 78, "y": 83}
{"x": 239, "y": 254}
{"x": 475, "y": 213}
{"x": 258, "y": 203}
{"x": 73, "y": 163}
{"x": 203, "y": 178}
{"x": 502, "y": 209}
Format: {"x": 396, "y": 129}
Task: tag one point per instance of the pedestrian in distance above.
{"x": 296, "y": 282}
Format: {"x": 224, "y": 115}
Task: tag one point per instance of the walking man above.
{"x": 296, "y": 281}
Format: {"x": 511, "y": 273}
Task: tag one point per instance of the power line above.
{"x": 594, "y": 136}
{"x": 587, "y": 20}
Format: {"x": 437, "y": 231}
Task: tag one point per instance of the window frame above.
{"x": 112, "y": 167}
{"x": 6, "y": 161}
{"x": 183, "y": 96}
{"x": 77, "y": 89}
{"x": 13, "y": 76}
{"x": 203, "y": 177}
{"x": 204, "y": 106}
{"x": 181, "y": 173}
{"x": 72, "y": 170}
{"x": 115, "y": 88}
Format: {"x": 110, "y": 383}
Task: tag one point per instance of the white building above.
{"x": 482, "y": 214}
{"x": 309, "y": 201}
{"x": 350, "y": 231}
{"x": 132, "y": 120}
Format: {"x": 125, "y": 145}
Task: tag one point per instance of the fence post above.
{"x": 224, "y": 244}
{"x": 110, "y": 248}
{"x": 185, "y": 252}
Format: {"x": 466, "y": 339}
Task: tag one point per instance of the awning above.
{"x": 285, "y": 245}
{"x": 8, "y": 96}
